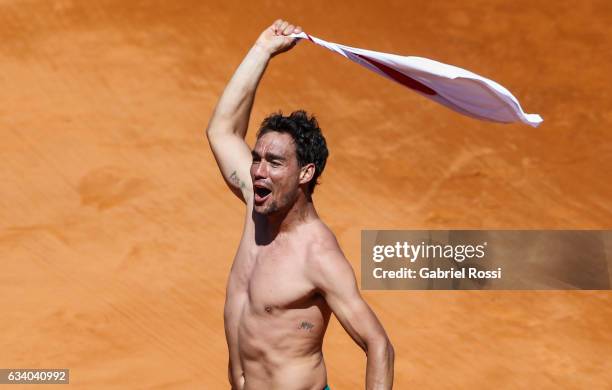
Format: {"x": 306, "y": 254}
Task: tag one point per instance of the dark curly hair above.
{"x": 310, "y": 145}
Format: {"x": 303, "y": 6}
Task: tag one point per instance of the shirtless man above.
{"x": 289, "y": 273}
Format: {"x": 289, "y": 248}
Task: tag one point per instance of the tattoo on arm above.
{"x": 306, "y": 326}
{"x": 236, "y": 181}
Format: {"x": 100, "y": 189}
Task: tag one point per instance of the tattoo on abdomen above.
{"x": 306, "y": 326}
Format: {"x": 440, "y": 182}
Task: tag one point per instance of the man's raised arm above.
{"x": 230, "y": 120}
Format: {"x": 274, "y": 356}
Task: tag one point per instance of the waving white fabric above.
{"x": 456, "y": 88}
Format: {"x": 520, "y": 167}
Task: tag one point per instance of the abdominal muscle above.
{"x": 281, "y": 349}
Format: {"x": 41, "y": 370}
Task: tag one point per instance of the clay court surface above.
{"x": 117, "y": 232}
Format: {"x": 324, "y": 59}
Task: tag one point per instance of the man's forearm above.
{"x": 379, "y": 370}
{"x": 235, "y": 376}
{"x": 234, "y": 107}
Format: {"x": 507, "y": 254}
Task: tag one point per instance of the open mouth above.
{"x": 261, "y": 193}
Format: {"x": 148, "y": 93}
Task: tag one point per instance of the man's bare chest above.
{"x": 278, "y": 280}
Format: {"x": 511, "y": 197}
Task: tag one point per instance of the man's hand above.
{"x": 274, "y": 39}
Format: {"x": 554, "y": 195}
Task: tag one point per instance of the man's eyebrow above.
{"x": 272, "y": 156}
{"x": 269, "y": 156}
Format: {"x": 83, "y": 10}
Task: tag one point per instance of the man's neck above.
{"x": 270, "y": 226}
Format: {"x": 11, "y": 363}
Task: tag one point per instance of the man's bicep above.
{"x": 338, "y": 284}
{"x": 233, "y": 157}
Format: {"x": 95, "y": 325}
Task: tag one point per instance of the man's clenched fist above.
{"x": 274, "y": 39}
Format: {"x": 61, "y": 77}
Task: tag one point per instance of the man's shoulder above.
{"x": 323, "y": 250}
{"x": 321, "y": 238}
{"x": 325, "y": 261}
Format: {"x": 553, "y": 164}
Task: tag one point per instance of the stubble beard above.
{"x": 268, "y": 209}
{"x": 274, "y": 208}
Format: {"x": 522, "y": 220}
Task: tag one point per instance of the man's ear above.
{"x": 307, "y": 173}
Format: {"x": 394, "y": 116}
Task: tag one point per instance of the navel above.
{"x": 268, "y": 308}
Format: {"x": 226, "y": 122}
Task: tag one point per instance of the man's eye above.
{"x": 274, "y": 163}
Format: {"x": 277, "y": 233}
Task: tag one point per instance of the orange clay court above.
{"x": 117, "y": 232}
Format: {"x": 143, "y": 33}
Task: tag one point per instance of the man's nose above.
{"x": 261, "y": 170}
